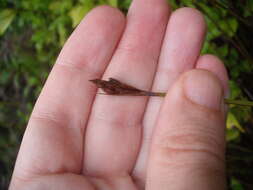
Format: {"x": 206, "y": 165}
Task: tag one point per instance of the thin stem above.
{"x": 236, "y": 43}
{"x": 230, "y": 11}
{"x": 227, "y": 101}
{"x": 239, "y": 102}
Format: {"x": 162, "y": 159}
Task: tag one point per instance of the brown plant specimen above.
{"x": 115, "y": 87}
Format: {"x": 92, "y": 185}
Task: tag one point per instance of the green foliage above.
{"x": 235, "y": 185}
{"x": 32, "y": 33}
{"x": 6, "y": 17}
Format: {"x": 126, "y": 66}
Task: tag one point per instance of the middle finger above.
{"x": 114, "y": 129}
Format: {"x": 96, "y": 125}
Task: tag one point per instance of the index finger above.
{"x": 53, "y": 141}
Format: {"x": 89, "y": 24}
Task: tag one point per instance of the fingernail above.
{"x": 202, "y": 88}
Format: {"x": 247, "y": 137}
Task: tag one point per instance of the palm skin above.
{"x": 78, "y": 139}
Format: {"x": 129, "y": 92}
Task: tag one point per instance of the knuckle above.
{"x": 128, "y": 48}
{"x": 191, "y": 141}
{"x": 89, "y": 65}
{"x": 117, "y": 119}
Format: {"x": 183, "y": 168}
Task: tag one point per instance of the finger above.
{"x": 180, "y": 50}
{"x": 214, "y": 65}
{"x": 114, "y": 128}
{"x": 64, "y": 181}
{"x": 53, "y": 141}
{"x": 189, "y": 145}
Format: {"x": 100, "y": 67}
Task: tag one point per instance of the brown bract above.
{"x": 115, "y": 87}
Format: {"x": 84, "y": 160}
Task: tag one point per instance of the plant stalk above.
{"x": 226, "y": 100}
{"x": 117, "y": 88}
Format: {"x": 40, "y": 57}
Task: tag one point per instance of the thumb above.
{"x": 188, "y": 146}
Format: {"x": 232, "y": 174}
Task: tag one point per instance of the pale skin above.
{"x": 77, "y": 139}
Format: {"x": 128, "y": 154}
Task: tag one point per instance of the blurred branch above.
{"x": 236, "y": 43}
{"x": 218, "y": 4}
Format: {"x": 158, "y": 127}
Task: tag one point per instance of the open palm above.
{"x": 78, "y": 139}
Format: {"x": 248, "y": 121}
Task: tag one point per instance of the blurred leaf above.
{"x": 213, "y": 31}
{"x": 188, "y": 3}
{"x": 113, "y": 3}
{"x": 62, "y": 33}
{"x": 229, "y": 26}
{"x": 232, "y": 134}
{"x": 60, "y": 7}
{"x": 235, "y": 91}
{"x": 236, "y": 185}
{"x": 55, "y": 5}
{"x": 210, "y": 11}
{"x": 78, "y": 12}
{"x": 6, "y": 17}
{"x": 223, "y": 51}
{"x": 124, "y": 5}
{"x": 233, "y": 122}
{"x": 248, "y": 8}
{"x": 4, "y": 77}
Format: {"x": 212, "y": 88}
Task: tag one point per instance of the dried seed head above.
{"x": 115, "y": 87}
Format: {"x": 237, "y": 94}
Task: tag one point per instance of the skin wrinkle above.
{"x": 44, "y": 182}
{"x": 189, "y": 168}
{"x": 61, "y": 114}
{"x": 181, "y": 160}
{"x": 204, "y": 169}
{"x": 25, "y": 176}
{"x": 174, "y": 152}
{"x": 199, "y": 133}
{"x": 77, "y": 68}
{"x": 116, "y": 119}
{"x": 58, "y": 120}
{"x": 60, "y": 143}
{"x": 113, "y": 182}
{"x": 197, "y": 169}
{"x": 185, "y": 125}
{"x": 69, "y": 130}
{"x": 191, "y": 140}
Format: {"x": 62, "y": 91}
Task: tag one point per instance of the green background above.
{"x": 32, "y": 33}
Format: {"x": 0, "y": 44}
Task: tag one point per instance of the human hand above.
{"x": 76, "y": 139}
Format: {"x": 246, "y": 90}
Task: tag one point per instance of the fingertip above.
{"x": 99, "y": 31}
{"x": 191, "y": 14}
{"x": 182, "y": 43}
{"x": 203, "y": 88}
{"x": 106, "y": 12}
{"x": 104, "y": 16}
{"x": 214, "y": 64}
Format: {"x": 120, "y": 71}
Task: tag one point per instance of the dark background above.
{"x": 33, "y": 31}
